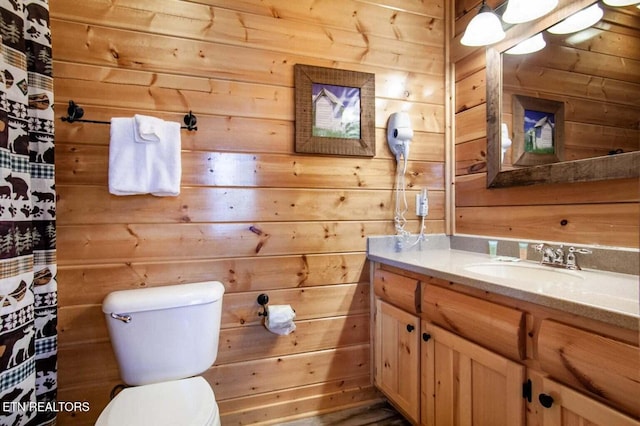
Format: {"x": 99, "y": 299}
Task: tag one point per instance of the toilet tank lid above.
{"x": 154, "y": 298}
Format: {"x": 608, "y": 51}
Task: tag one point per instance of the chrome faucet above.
{"x": 548, "y": 254}
{"x": 556, "y": 257}
{"x": 559, "y": 258}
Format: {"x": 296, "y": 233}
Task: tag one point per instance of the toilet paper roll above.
{"x": 280, "y": 319}
{"x": 403, "y": 133}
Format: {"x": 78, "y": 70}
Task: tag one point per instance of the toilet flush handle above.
{"x": 123, "y": 318}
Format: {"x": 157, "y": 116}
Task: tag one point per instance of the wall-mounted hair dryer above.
{"x": 399, "y": 134}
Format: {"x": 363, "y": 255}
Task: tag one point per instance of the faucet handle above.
{"x": 571, "y": 257}
{"x": 559, "y": 255}
{"x": 579, "y": 250}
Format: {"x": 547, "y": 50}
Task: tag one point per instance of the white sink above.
{"x": 524, "y": 272}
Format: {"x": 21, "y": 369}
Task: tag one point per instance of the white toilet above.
{"x": 163, "y": 337}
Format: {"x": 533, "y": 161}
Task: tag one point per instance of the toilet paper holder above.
{"x": 263, "y": 299}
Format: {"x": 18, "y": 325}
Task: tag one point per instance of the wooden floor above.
{"x": 381, "y": 414}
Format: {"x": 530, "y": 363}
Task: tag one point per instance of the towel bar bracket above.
{"x": 75, "y": 113}
{"x": 263, "y": 299}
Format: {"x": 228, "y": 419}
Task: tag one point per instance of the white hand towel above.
{"x": 148, "y": 129}
{"x": 166, "y": 167}
{"x": 128, "y": 174}
{"x": 142, "y": 168}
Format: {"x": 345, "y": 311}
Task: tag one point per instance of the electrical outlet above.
{"x": 422, "y": 204}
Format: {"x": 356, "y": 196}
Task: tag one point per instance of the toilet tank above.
{"x": 164, "y": 333}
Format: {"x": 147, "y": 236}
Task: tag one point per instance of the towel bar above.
{"x": 75, "y": 113}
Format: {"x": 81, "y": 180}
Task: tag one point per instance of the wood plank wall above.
{"x": 251, "y": 213}
{"x": 604, "y": 212}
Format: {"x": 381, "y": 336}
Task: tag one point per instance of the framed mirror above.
{"x": 582, "y": 89}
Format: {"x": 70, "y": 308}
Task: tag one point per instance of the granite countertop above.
{"x": 609, "y": 297}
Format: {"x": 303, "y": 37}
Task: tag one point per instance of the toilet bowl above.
{"x": 184, "y": 402}
{"x": 163, "y": 338}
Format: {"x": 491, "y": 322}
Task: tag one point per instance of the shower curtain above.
{"x": 28, "y": 303}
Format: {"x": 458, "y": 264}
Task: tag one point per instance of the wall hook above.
{"x": 190, "y": 121}
{"x": 263, "y": 299}
{"x": 74, "y": 112}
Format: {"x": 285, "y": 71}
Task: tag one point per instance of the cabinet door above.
{"x": 467, "y": 385}
{"x": 591, "y": 363}
{"x": 397, "y": 357}
{"x": 554, "y": 404}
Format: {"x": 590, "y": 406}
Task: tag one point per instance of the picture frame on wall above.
{"x": 334, "y": 111}
{"x": 538, "y": 131}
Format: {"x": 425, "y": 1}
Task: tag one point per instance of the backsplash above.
{"x": 613, "y": 259}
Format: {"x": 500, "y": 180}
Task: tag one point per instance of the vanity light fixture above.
{"x": 620, "y": 2}
{"x": 530, "y": 45}
{"x": 485, "y": 28}
{"x": 519, "y": 11}
{"x": 578, "y": 21}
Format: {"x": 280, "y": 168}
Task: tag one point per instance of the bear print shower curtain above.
{"x": 28, "y": 303}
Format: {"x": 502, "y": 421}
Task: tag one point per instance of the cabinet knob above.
{"x": 426, "y": 337}
{"x": 545, "y": 400}
{"x": 410, "y": 328}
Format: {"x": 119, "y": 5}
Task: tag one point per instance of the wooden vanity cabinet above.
{"x": 592, "y": 363}
{"x": 397, "y": 355}
{"x": 396, "y": 347}
{"x": 554, "y": 404}
{"x": 497, "y": 327}
{"x": 403, "y": 292}
{"x": 466, "y": 384}
{"x": 471, "y": 361}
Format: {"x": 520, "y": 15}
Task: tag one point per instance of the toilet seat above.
{"x": 174, "y": 403}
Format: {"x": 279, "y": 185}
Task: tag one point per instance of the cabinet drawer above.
{"x": 398, "y": 290}
{"x": 491, "y": 325}
{"x": 584, "y": 360}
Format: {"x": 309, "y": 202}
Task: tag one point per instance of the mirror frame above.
{"x": 619, "y": 166}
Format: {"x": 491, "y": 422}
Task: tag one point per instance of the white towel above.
{"x": 148, "y": 129}
{"x": 166, "y": 167}
{"x": 142, "y": 168}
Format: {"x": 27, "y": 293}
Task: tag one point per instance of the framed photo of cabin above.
{"x": 538, "y": 131}
{"x": 335, "y": 111}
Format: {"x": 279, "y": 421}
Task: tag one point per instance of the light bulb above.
{"x": 485, "y": 28}
{"x": 530, "y": 45}
{"x": 519, "y": 11}
{"x": 578, "y": 21}
{"x": 620, "y": 2}
{"x": 505, "y": 140}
